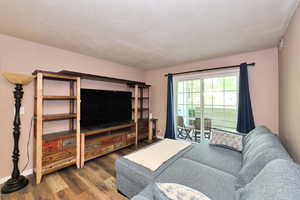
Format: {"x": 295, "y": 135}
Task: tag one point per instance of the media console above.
{"x": 98, "y": 142}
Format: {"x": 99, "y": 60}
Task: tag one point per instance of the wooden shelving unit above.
{"x": 141, "y": 110}
{"x": 54, "y": 151}
{"x": 75, "y": 146}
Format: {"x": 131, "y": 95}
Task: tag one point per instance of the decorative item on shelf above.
{"x": 16, "y": 182}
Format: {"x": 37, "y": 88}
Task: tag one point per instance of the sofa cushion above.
{"x": 261, "y": 159}
{"x": 279, "y": 180}
{"x": 214, "y": 183}
{"x": 216, "y": 157}
{"x": 173, "y": 191}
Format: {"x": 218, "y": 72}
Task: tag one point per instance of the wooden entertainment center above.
{"x": 95, "y": 143}
{"x": 54, "y": 151}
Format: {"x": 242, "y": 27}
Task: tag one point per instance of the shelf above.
{"x": 59, "y": 97}
{"x": 55, "y": 76}
{"x": 140, "y": 86}
{"x": 139, "y": 110}
{"x": 59, "y": 116}
{"x": 101, "y": 78}
{"x": 140, "y": 98}
{"x": 103, "y": 130}
{"x": 61, "y": 135}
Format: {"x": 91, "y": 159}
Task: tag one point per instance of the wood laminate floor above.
{"x": 97, "y": 180}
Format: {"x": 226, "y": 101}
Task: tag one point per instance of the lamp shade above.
{"x": 16, "y": 78}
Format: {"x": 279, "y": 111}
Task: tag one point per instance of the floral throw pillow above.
{"x": 227, "y": 140}
{"x": 173, "y": 191}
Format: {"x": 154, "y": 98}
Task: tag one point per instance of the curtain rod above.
{"x": 209, "y": 69}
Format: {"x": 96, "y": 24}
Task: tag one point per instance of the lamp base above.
{"x": 14, "y": 184}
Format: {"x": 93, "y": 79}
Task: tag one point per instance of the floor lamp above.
{"x": 16, "y": 182}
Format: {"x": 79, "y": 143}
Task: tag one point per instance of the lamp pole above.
{"x": 16, "y": 182}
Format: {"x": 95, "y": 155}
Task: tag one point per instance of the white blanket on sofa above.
{"x": 154, "y": 156}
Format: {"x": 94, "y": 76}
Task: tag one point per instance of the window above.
{"x": 212, "y": 98}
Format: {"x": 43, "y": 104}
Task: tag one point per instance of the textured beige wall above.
{"x": 24, "y": 57}
{"x": 263, "y": 80}
{"x": 289, "y": 87}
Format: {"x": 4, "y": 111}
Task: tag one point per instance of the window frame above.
{"x": 202, "y": 76}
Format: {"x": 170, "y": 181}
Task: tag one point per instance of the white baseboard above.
{"x": 160, "y": 137}
{"x": 25, "y": 173}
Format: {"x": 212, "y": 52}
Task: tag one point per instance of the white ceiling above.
{"x": 149, "y": 33}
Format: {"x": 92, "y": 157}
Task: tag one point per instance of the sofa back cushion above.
{"x": 279, "y": 180}
{"x": 250, "y": 138}
{"x": 259, "y": 150}
{"x": 260, "y": 144}
{"x": 253, "y": 167}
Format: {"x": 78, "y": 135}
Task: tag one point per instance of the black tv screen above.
{"x": 101, "y": 108}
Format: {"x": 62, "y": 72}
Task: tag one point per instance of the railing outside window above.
{"x": 211, "y": 99}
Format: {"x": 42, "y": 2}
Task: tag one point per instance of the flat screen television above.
{"x": 102, "y": 108}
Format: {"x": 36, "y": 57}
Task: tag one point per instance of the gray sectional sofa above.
{"x": 263, "y": 170}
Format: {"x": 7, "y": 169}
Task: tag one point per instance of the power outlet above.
{"x": 22, "y": 111}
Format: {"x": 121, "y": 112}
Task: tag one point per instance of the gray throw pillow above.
{"x": 279, "y": 180}
{"x": 173, "y": 191}
{"x": 253, "y": 167}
